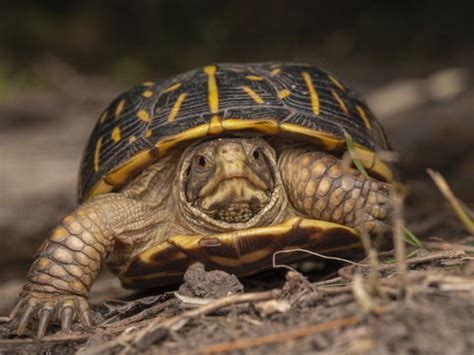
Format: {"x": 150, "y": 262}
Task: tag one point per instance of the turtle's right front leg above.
{"x": 68, "y": 262}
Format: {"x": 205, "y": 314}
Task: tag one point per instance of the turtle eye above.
{"x": 202, "y": 162}
{"x": 257, "y": 155}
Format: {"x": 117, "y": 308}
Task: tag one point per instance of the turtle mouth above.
{"x": 234, "y": 200}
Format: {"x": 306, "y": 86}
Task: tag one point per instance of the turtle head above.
{"x": 230, "y": 180}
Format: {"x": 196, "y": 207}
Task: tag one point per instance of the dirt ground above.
{"x": 334, "y": 308}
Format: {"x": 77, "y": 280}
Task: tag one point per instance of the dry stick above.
{"x": 279, "y": 337}
{"x": 449, "y": 254}
{"x": 456, "y": 205}
{"x": 398, "y": 240}
{"x": 142, "y": 315}
{"x": 148, "y": 335}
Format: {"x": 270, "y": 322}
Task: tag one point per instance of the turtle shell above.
{"x": 297, "y": 100}
{"x": 241, "y": 252}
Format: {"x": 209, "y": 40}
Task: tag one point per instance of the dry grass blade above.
{"x": 398, "y": 240}
{"x": 275, "y": 265}
{"x": 353, "y": 153}
{"x": 410, "y": 238}
{"x": 456, "y": 205}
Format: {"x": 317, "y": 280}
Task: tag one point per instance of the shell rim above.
{"x": 124, "y": 172}
{"x": 193, "y": 243}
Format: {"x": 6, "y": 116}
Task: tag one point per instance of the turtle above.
{"x": 224, "y": 165}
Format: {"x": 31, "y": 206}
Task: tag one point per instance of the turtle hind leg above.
{"x": 320, "y": 187}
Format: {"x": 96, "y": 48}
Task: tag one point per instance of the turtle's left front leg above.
{"x": 68, "y": 262}
{"x": 321, "y": 187}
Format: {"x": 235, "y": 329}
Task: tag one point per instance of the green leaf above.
{"x": 410, "y": 238}
{"x": 353, "y": 153}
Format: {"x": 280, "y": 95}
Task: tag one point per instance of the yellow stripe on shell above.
{"x": 215, "y": 125}
{"x": 119, "y": 108}
{"x": 265, "y": 126}
{"x": 275, "y": 71}
{"x": 171, "y": 88}
{"x": 121, "y": 174}
{"x": 253, "y": 77}
{"x": 177, "y": 105}
{"x": 312, "y": 92}
{"x": 253, "y": 94}
{"x": 283, "y": 93}
{"x": 97, "y": 155}
{"x": 116, "y": 135}
{"x": 148, "y": 133}
{"x": 213, "y": 94}
{"x": 103, "y": 116}
{"x": 147, "y": 93}
{"x": 364, "y": 117}
{"x": 341, "y": 103}
{"x": 148, "y": 83}
{"x": 144, "y": 116}
{"x": 337, "y": 83}
{"x": 132, "y": 139}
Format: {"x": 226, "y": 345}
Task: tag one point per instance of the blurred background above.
{"x": 62, "y": 62}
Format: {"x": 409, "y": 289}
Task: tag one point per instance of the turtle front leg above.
{"x": 67, "y": 263}
{"x": 319, "y": 186}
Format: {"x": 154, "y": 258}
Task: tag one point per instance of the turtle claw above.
{"x": 27, "y": 314}
{"x": 44, "y": 319}
{"x": 51, "y": 307}
{"x": 67, "y": 314}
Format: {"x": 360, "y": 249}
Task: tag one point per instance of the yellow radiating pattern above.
{"x": 144, "y": 116}
{"x": 97, "y": 154}
{"x": 213, "y": 94}
{"x": 253, "y": 94}
{"x": 312, "y": 92}
{"x": 215, "y": 125}
{"x": 283, "y": 93}
{"x": 254, "y": 77}
{"x": 341, "y": 103}
{"x": 364, "y": 117}
{"x": 147, "y": 93}
{"x": 119, "y": 108}
{"x": 174, "y": 111}
{"x": 275, "y": 71}
{"x": 132, "y": 139}
{"x": 116, "y": 136}
{"x": 336, "y": 82}
{"x": 103, "y": 116}
{"x": 171, "y": 88}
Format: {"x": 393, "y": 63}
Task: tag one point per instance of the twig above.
{"x": 398, "y": 242}
{"x": 449, "y": 254}
{"x": 456, "y": 205}
{"x": 279, "y": 337}
{"x": 47, "y": 339}
{"x": 142, "y": 338}
{"x": 142, "y": 315}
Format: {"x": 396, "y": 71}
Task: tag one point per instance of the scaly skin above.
{"x": 67, "y": 263}
{"x": 319, "y": 186}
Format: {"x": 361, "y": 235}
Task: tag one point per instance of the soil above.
{"x": 328, "y": 306}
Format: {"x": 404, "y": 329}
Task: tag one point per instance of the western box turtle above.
{"x": 225, "y": 165}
